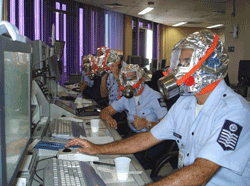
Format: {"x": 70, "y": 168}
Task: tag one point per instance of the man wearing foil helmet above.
{"x": 86, "y": 81}
{"x": 209, "y": 121}
{"x": 109, "y": 61}
{"x": 144, "y": 106}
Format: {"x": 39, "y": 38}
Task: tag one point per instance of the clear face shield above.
{"x": 196, "y": 61}
{"x": 131, "y": 78}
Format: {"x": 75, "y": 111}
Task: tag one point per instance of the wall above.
{"x": 242, "y": 43}
{"x": 127, "y": 37}
{"x": 170, "y": 36}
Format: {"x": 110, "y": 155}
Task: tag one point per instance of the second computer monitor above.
{"x": 135, "y": 60}
{"x": 54, "y": 67}
{"x": 244, "y": 72}
{"x": 153, "y": 65}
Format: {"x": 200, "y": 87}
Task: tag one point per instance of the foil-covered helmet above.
{"x": 197, "y": 64}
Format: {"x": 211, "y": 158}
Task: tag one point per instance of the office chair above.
{"x": 172, "y": 148}
{"x": 171, "y": 156}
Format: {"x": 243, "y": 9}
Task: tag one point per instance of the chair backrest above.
{"x": 153, "y": 84}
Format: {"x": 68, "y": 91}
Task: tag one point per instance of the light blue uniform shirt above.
{"x": 113, "y": 87}
{"x": 87, "y": 79}
{"x": 220, "y": 133}
{"x": 150, "y": 106}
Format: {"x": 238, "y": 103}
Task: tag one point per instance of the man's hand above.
{"x": 140, "y": 123}
{"x": 111, "y": 122}
{"x": 87, "y": 147}
{"x": 115, "y": 70}
{"x": 82, "y": 85}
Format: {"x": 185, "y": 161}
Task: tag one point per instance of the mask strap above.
{"x": 95, "y": 67}
{"x": 165, "y": 73}
{"x": 119, "y": 91}
{"x": 105, "y": 59}
{"x": 141, "y": 90}
{"x": 208, "y": 53}
{"x": 138, "y": 84}
{"x": 209, "y": 88}
{"x": 100, "y": 52}
{"x": 119, "y": 62}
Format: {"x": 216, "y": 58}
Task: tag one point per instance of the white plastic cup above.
{"x": 94, "y": 125}
{"x": 122, "y": 168}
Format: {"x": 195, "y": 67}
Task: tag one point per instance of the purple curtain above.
{"x": 42, "y": 12}
{"x": 155, "y": 40}
{"x": 114, "y": 30}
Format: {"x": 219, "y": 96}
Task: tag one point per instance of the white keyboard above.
{"x": 70, "y": 173}
{"x": 67, "y": 129}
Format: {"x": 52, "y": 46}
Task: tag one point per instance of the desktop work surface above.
{"x": 56, "y": 170}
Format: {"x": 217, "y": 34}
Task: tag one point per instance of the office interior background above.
{"x": 85, "y": 27}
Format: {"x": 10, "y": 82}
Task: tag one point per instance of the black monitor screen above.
{"x": 244, "y": 72}
{"x": 135, "y": 60}
{"x": 154, "y": 64}
{"x": 54, "y": 67}
{"x": 145, "y": 62}
{"x": 163, "y": 63}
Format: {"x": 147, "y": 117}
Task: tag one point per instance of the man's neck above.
{"x": 201, "y": 99}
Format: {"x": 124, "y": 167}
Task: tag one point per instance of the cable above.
{"x": 44, "y": 167}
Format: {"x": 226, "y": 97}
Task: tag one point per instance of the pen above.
{"x": 102, "y": 163}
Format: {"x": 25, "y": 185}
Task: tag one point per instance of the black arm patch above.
{"x": 229, "y": 135}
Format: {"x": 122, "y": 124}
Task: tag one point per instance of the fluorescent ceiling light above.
{"x": 181, "y": 23}
{"x": 215, "y": 26}
{"x": 146, "y": 10}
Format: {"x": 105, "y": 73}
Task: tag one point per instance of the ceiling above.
{"x": 198, "y": 13}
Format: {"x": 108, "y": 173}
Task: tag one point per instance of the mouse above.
{"x": 63, "y": 115}
{"x": 66, "y": 150}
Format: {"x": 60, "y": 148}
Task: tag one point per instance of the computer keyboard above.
{"x": 70, "y": 173}
{"x": 67, "y": 129}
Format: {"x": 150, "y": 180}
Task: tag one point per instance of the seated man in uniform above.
{"x": 91, "y": 87}
{"x": 110, "y": 82}
{"x": 144, "y": 106}
{"x": 86, "y": 81}
{"x": 210, "y": 122}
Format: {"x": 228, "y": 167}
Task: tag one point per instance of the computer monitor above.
{"x": 145, "y": 62}
{"x": 135, "y": 60}
{"x": 163, "y": 63}
{"x": 15, "y": 117}
{"x": 54, "y": 67}
{"x": 153, "y": 65}
{"x": 244, "y": 72}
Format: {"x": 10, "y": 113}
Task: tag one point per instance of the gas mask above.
{"x": 86, "y": 62}
{"x": 131, "y": 78}
{"x": 106, "y": 57}
{"x": 197, "y": 64}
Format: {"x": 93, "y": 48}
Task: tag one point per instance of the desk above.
{"x": 140, "y": 179}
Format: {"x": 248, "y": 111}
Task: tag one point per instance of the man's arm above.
{"x": 82, "y": 84}
{"x": 199, "y": 173}
{"x": 106, "y": 114}
{"x": 130, "y": 145}
{"x": 141, "y": 123}
{"x": 103, "y": 87}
